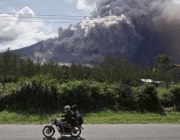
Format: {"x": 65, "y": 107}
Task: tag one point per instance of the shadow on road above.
{"x": 51, "y": 138}
{"x": 63, "y": 138}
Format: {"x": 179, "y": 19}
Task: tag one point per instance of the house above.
{"x": 156, "y": 83}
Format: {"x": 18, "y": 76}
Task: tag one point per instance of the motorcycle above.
{"x": 63, "y": 129}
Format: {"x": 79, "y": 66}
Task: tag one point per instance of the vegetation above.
{"x": 100, "y": 117}
{"x": 38, "y": 88}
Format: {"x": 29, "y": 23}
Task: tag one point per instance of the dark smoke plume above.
{"x": 137, "y": 30}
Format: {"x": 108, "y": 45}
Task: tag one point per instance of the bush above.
{"x": 43, "y": 93}
{"x": 86, "y": 95}
{"x": 37, "y": 93}
{"x": 4, "y": 100}
{"x": 147, "y": 99}
{"x": 166, "y": 100}
{"x": 175, "y": 91}
{"x": 124, "y": 99}
{"x": 75, "y": 92}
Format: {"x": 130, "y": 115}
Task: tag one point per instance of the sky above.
{"x": 26, "y": 22}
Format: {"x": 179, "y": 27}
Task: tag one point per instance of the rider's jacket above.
{"x": 68, "y": 116}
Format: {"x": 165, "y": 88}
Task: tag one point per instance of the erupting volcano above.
{"x": 136, "y": 30}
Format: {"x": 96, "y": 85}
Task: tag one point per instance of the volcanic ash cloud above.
{"x": 124, "y": 28}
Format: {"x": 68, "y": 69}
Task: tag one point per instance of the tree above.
{"x": 163, "y": 59}
{"x": 38, "y": 64}
{"x": 52, "y": 68}
{"x": 27, "y": 68}
{"x": 8, "y": 65}
{"x": 119, "y": 70}
{"x": 79, "y": 71}
{"x": 163, "y": 62}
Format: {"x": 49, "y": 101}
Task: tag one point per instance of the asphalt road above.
{"x": 97, "y": 132}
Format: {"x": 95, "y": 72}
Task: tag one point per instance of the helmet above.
{"x": 74, "y": 107}
{"x": 67, "y": 108}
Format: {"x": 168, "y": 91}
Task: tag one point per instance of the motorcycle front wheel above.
{"x": 76, "y": 132}
{"x": 48, "y": 131}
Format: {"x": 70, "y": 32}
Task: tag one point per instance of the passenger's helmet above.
{"x": 67, "y": 108}
{"x": 74, "y": 107}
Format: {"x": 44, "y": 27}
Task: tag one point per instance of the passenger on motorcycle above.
{"x": 68, "y": 117}
{"x": 76, "y": 115}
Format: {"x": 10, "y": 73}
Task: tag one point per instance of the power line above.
{"x": 134, "y": 19}
{"x": 38, "y": 18}
{"x": 45, "y": 18}
{"x": 128, "y": 19}
{"x": 147, "y": 23}
{"x": 48, "y": 17}
{"x": 44, "y": 15}
{"x": 37, "y": 21}
{"x": 68, "y": 17}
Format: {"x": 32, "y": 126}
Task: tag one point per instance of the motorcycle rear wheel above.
{"x": 77, "y": 131}
{"x": 48, "y": 131}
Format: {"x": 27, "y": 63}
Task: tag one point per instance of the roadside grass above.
{"x": 7, "y": 117}
{"x": 131, "y": 117}
{"x": 102, "y": 117}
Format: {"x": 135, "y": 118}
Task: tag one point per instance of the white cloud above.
{"x": 86, "y": 4}
{"x": 21, "y": 30}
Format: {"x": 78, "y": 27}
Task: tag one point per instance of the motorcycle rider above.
{"x": 68, "y": 117}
